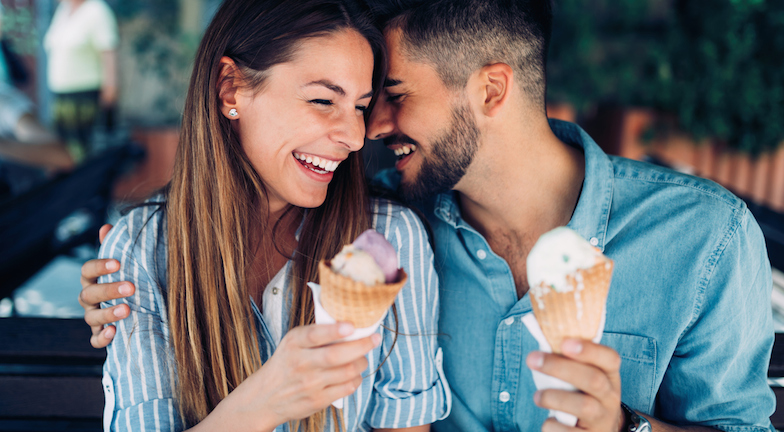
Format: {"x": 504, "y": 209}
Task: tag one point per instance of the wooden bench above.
{"x": 50, "y": 376}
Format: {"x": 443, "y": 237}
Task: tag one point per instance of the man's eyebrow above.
{"x": 335, "y": 88}
{"x": 391, "y": 82}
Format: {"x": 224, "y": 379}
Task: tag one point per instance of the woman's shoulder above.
{"x": 398, "y": 223}
{"x": 137, "y": 231}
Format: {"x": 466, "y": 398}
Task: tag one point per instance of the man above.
{"x": 689, "y": 330}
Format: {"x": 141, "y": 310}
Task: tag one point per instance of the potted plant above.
{"x": 706, "y": 75}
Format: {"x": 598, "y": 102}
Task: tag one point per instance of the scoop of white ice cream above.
{"x": 358, "y": 265}
{"x": 556, "y": 254}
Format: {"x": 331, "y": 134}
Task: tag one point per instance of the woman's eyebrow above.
{"x": 335, "y": 88}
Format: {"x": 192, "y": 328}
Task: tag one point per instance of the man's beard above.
{"x": 447, "y": 159}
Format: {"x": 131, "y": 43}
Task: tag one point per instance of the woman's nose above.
{"x": 351, "y": 131}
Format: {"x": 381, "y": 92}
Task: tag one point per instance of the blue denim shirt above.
{"x": 688, "y": 308}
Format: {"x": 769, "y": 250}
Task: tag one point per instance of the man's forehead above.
{"x": 402, "y": 69}
{"x": 397, "y": 59}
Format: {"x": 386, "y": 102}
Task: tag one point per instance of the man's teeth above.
{"x": 317, "y": 162}
{"x": 406, "y": 149}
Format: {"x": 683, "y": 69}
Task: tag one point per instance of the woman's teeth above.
{"x": 317, "y": 162}
{"x": 405, "y": 149}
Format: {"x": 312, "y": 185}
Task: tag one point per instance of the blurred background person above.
{"x": 81, "y": 46}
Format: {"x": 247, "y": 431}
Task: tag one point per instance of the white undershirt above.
{"x": 272, "y": 300}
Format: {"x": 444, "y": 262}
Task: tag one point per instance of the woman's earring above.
{"x": 233, "y": 112}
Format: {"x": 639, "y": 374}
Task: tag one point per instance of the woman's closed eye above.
{"x": 326, "y": 102}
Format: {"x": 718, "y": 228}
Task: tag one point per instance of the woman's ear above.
{"x": 228, "y": 84}
{"x": 494, "y": 86}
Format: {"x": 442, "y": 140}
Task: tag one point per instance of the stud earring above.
{"x": 233, "y": 112}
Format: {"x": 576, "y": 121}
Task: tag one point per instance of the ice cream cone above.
{"x": 348, "y": 300}
{"x": 577, "y": 312}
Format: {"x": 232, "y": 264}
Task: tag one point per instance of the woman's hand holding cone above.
{"x": 307, "y": 372}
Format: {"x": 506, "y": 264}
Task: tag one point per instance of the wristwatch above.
{"x": 634, "y": 421}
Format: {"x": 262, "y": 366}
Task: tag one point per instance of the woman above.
{"x": 273, "y": 123}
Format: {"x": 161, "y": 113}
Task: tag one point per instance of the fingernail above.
{"x": 376, "y": 338}
{"x": 345, "y": 329}
{"x": 125, "y": 289}
{"x": 572, "y": 346}
{"x": 112, "y": 265}
{"x": 535, "y": 360}
{"x": 537, "y": 397}
{"x": 119, "y": 313}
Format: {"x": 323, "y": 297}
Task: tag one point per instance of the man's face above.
{"x": 430, "y": 127}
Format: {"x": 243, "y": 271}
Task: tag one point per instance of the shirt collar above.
{"x": 592, "y": 213}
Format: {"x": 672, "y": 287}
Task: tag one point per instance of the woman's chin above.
{"x": 312, "y": 201}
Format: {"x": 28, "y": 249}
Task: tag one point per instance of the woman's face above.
{"x": 308, "y": 117}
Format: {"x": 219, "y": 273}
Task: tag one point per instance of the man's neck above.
{"x": 525, "y": 183}
{"x": 523, "y": 179}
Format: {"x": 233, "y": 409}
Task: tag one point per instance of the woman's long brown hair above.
{"x": 217, "y": 202}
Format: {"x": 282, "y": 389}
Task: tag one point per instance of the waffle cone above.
{"x": 576, "y": 313}
{"x": 348, "y": 300}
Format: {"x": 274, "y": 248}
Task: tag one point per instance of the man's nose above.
{"x": 381, "y": 122}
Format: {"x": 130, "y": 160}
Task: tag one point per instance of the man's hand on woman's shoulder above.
{"x": 93, "y": 293}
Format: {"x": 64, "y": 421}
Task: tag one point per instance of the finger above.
{"x": 345, "y": 373}
{"x": 553, "y": 425}
{"x": 102, "y": 339}
{"x": 317, "y": 335}
{"x": 92, "y": 295}
{"x": 95, "y": 268}
{"x": 97, "y": 318}
{"x": 339, "y": 391}
{"x": 587, "y": 409}
{"x": 600, "y": 356}
{"x": 103, "y": 231}
{"x": 585, "y": 377}
{"x": 344, "y": 352}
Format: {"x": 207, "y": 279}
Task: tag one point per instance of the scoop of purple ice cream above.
{"x": 381, "y": 250}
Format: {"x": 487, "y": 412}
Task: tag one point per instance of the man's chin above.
{"x": 415, "y": 191}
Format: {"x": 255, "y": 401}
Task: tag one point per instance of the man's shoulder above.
{"x": 668, "y": 184}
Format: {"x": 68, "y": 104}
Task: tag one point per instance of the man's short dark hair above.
{"x": 458, "y": 37}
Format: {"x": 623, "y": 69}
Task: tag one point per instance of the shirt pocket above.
{"x": 638, "y": 368}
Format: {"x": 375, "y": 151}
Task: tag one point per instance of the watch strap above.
{"x": 634, "y": 421}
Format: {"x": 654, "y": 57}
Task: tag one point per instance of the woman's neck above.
{"x": 275, "y": 247}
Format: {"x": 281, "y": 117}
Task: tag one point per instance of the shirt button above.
{"x": 481, "y": 254}
{"x": 504, "y": 397}
{"x": 275, "y": 291}
{"x": 509, "y": 321}
{"x": 594, "y": 241}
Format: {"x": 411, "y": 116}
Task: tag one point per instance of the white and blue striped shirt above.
{"x": 408, "y": 389}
